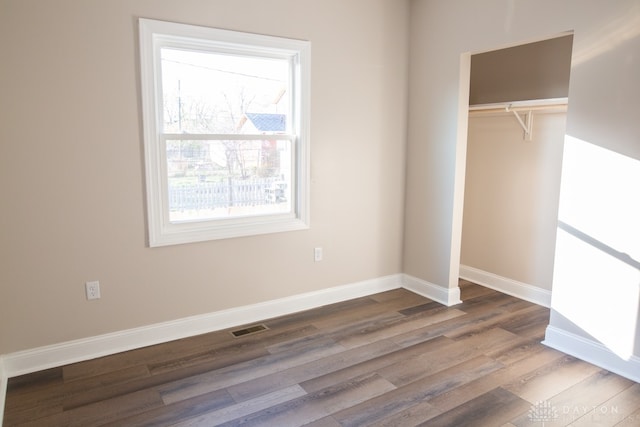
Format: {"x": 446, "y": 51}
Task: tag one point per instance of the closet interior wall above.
{"x": 511, "y": 197}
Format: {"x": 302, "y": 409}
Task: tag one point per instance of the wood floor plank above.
{"x": 395, "y": 294}
{"x": 498, "y": 303}
{"x": 429, "y": 362}
{"x": 94, "y": 389}
{"x": 166, "y": 415}
{"x": 25, "y": 400}
{"x": 149, "y": 354}
{"x": 410, "y": 417}
{"x": 416, "y": 392}
{"x": 591, "y": 393}
{"x": 320, "y": 404}
{"x": 469, "y": 290}
{"x": 340, "y": 331}
{"x": 39, "y": 410}
{"x": 34, "y": 396}
{"x": 311, "y": 370}
{"x": 633, "y": 420}
{"x": 355, "y": 316}
{"x": 35, "y": 381}
{"x": 187, "y": 351}
{"x": 551, "y": 379}
{"x": 216, "y": 360}
{"x": 242, "y": 409}
{"x": 103, "y": 412}
{"x": 445, "y": 327}
{"x": 490, "y": 409}
{"x": 236, "y": 374}
{"x": 231, "y": 349}
{"x": 614, "y": 411}
{"x": 375, "y": 364}
{"x": 579, "y": 400}
{"x": 531, "y": 324}
{"x": 431, "y": 307}
{"x": 324, "y": 422}
{"x": 328, "y": 311}
{"x": 395, "y": 327}
{"x": 499, "y": 318}
{"x": 519, "y": 350}
{"x": 458, "y": 396}
{"x": 400, "y": 299}
{"x": 91, "y": 395}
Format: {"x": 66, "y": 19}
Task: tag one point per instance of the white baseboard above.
{"x": 37, "y": 359}
{"x": 445, "y": 296}
{"x": 592, "y": 352}
{"x": 507, "y": 286}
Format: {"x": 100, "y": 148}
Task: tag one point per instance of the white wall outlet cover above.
{"x": 93, "y": 290}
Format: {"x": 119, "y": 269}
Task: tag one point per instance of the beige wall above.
{"x": 72, "y": 168}
{"x": 511, "y": 196}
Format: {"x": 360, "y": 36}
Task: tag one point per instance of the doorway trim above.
{"x": 464, "y": 87}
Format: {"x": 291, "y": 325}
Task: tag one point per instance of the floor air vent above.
{"x": 249, "y": 330}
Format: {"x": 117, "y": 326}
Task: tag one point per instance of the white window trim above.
{"x": 161, "y": 232}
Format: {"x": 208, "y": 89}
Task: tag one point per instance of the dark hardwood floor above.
{"x": 391, "y": 359}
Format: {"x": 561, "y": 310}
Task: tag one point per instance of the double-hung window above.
{"x": 226, "y": 132}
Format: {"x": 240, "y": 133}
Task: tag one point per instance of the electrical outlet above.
{"x": 317, "y": 254}
{"x": 93, "y": 290}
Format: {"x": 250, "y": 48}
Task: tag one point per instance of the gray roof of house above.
{"x": 268, "y": 122}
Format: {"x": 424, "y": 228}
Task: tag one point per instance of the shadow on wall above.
{"x": 597, "y": 266}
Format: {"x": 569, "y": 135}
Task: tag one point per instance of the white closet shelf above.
{"x": 552, "y": 105}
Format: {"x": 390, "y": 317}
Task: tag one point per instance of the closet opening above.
{"x": 518, "y": 98}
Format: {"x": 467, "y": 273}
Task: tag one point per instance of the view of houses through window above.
{"x": 226, "y": 130}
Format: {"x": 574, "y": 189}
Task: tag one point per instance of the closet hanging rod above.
{"x": 554, "y": 104}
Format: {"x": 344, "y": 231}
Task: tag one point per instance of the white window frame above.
{"x": 157, "y": 34}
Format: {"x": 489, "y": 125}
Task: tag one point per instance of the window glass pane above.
{"x": 217, "y": 179}
{"x": 218, "y": 93}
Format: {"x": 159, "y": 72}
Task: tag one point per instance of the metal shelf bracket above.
{"x": 527, "y": 124}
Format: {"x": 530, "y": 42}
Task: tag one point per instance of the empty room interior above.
{"x": 329, "y": 213}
